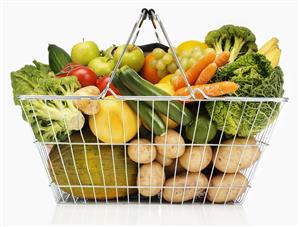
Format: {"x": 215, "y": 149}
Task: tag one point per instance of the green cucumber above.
{"x": 58, "y": 58}
{"x": 146, "y": 114}
{"x": 141, "y": 87}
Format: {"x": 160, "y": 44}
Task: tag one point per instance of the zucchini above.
{"x": 58, "y": 58}
{"x": 146, "y": 114}
{"x": 141, "y": 87}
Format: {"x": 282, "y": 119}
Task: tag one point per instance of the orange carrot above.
{"x": 222, "y": 58}
{"x": 207, "y": 74}
{"x": 213, "y": 89}
{"x": 193, "y": 72}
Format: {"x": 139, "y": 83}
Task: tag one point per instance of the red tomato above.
{"x": 102, "y": 83}
{"x": 84, "y": 75}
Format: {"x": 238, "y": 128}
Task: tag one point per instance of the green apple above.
{"x": 102, "y": 65}
{"x": 82, "y": 53}
{"x": 133, "y": 57}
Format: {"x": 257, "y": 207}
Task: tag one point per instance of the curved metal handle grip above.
{"x": 152, "y": 16}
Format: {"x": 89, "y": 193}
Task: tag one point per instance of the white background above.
{"x": 29, "y": 27}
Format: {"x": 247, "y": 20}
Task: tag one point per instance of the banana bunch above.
{"x": 271, "y": 50}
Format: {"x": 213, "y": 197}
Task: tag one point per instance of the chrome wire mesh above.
{"x": 85, "y": 181}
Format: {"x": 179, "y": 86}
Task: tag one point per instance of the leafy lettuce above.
{"x": 256, "y": 77}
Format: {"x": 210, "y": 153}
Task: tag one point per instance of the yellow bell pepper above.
{"x": 189, "y": 45}
{"x": 167, "y": 87}
{"x": 115, "y": 122}
{"x": 166, "y": 79}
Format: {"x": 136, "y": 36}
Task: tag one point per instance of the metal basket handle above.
{"x": 151, "y": 15}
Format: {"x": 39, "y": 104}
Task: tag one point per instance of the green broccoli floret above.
{"x": 50, "y": 120}
{"x": 256, "y": 78}
{"x": 235, "y": 39}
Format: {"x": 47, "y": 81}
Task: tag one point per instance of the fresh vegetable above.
{"x": 167, "y": 87}
{"x": 235, "y": 39}
{"x": 53, "y": 119}
{"x": 207, "y": 74}
{"x": 69, "y": 66}
{"x": 213, "y": 89}
{"x": 201, "y": 131}
{"x": 58, "y": 58}
{"x": 194, "y": 71}
{"x": 82, "y": 53}
{"x": 139, "y": 86}
{"x": 196, "y": 158}
{"x": 102, "y": 84}
{"x": 141, "y": 151}
{"x": 87, "y": 106}
{"x": 183, "y": 188}
{"x": 222, "y": 58}
{"x": 148, "y": 71}
{"x": 166, "y": 79}
{"x": 271, "y": 50}
{"x": 150, "y": 118}
{"x": 227, "y": 187}
{"x": 85, "y": 75}
{"x": 118, "y": 120}
{"x": 191, "y": 45}
{"x": 256, "y": 78}
{"x": 240, "y": 155}
{"x": 150, "y": 179}
{"x": 133, "y": 57}
{"x": 102, "y": 65}
{"x": 163, "y": 160}
{"x": 170, "y": 145}
{"x": 87, "y": 165}
{"x": 190, "y": 57}
{"x": 66, "y": 69}
{"x": 168, "y": 122}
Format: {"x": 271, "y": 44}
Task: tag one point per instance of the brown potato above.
{"x": 231, "y": 159}
{"x": 176, "y": 193}
{"x": 163, "y": 160}
{"x": 141, "y": 152}
{"x": 197, "y": 158}
{"x": 87, "y": 106}
{"x": 152, "y": 177}
{"x": 230, "y": 188}
{"x": 174, "y": 146}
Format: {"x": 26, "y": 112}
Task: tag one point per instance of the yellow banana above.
{"x": 270, "y": 44}
{"x": 273, "y": 56}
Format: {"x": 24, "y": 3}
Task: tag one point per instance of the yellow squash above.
{"x": 115, "y": 122}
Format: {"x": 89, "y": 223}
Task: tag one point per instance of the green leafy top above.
{"x": 53, "y": 119}
{"x": 256, "y": 78}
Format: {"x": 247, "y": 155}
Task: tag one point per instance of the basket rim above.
{"x": 154, "y": 98}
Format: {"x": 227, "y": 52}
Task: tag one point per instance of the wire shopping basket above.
{"x": 184, "y": 166}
